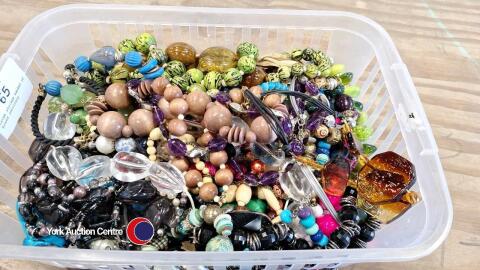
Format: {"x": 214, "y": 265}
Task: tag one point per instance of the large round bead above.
{"x": 116, "y": 96}
{"x": 219, "y": 243}
{"x": 197, "y": 102}
{"x": 208, "y": 191}
{"x": 141, "y": 121}
{"x": 217, "y": 59}
{"x": 216, "y": 117}
{"x": 110, "y": 124}
{"x": 182, "y": 52}
{"x": 262, "y": 130}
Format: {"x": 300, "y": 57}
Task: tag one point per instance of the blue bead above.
{"x": 308, "y": 221}
{"x": 53, "y": 88}
{"x": 323, "y": 242}
{"x": 82, "y": 63}
{"x": 286, "y": 216}
{"x": 153, "y": 75}
{"x": 264, "y": 86}
{"x": 312, "y": 230}
{"x": 322, "y": 144}
{"x": 322, "y": 159}
{"x": 151, "y": 64}
{"x": 316, "y": 237}
{"x": 133, "y": 59}
{"x": 323, "y": 151}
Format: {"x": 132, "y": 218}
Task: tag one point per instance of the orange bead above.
{"x": 257, "y": 167}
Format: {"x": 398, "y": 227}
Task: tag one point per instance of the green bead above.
{"x": 180, "y": 81}
{"x": 369, "y": 149}
{"x": 246, "y": 64}
{"x": 219, "y": 243}
{"x": 195, "y": 87}
{"x": 233, "y": 204}
{"x": 213, "y": 92}
{"x": 119, "y": 73}
{"x": 284, "y": 73}
{"x": 175, "y": 68}
{"x": 336, "y": 69}
{"x": 233, "y": 77}
{"x": 272, "y": 77}
{"x": 195, "y": 218}
{"x": 308, "y": 54}
{"x": 97, "y": 76}
{"x": 85, "y": 99}
{"x": 213, "y": 80}
{"x": 71, "y": 93}
{"x": 362, "y": 132}
{"x": 322, "y": 61}
{"x": 135, "y": 75}
{"x": 311, "y": 71}
{"x": 362, "y": 118}
{"x": 144, "y": 41}
{"x": 296, "y": 54}
{"x": 346, "y": 77}
{"x": 257, "y": 205}
{"x": 78, "y": 117}
{"x": 325, "y": 73}
{"x": 194, "y": 75}
{"x": 247, "y": 49}
{"x": 126, "y": 45}
{"x": 55, "y": 104}
{"x": 98, "y": 66}
{"x": 297, "y": 69}
{"x": 158, "y": 54}
{"x": 357, "y": 105}
{"x": 352, "y": 90}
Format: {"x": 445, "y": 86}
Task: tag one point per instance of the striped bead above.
{"x": 133, "y": 59}
{"x": 153, "y": 75}
{"x": 323, "y": 151}
{"x": 82, "y": 63}
{"x": 53, "y": 88}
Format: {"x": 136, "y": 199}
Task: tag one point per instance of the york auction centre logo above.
{"x": 140, "y": 231}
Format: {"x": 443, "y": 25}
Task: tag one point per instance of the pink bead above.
{"x": 211, "y": 168}
{"x": 338, "y": 120}
{"x": 335, "y": 200}
{"x": 327, "y": 224}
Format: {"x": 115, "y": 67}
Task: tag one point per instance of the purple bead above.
{"x": 297, "y": 147}
{"x": 301, "y": 104}
{"x": 299, "y": 87}
{"x": 237, "y": 170}
{"x": 304, "y": 212}
{"x": 222, "y": 97}
{"x": 343, "y": 102}
{"x": 311, "y": 88}
{"x": 177, "y": 147}
{"x": 269, "y": 178}
{"x": 154, "y": 99}
{"x": 157, "y": 116}
{"x": 133, "y": 84}
{"x": 251, "y": 179}
{"x": 217, "y": 144}
{"x": 287, "y": 126}
{"x": 314, "y": 122}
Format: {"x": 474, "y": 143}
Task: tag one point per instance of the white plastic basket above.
{"x": 55, "y": 37}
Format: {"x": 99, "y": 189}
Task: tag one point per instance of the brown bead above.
{"x": 204, "y": 139}
{"x": 110, "y": 124}
{"x": 262, "y": 130}
{"x": 116, "y": 96}
{"x": 197, "y": 102}
{"x": 94, "y": 119}
{"x": 158, "y": 85}
{"x": 164, "y": 106}
{"x": 192, "y": 177}
{"x": 223, "y": 177}
{"x": 177, "y": 127}
{"x": 127, "y": 131}
{"x": 217, "y": 116}
{"x": 217, "y": 59}
{"x": 321, "y": 132}
{"x": 254, "y": 78}
{"x": 208, "y": 191}
{"x": 256, "y": 90}
{"x": 180, "y": 163}
{"x": 218, "y": 158}
{"x": 178, "y": 106}
{"x": 272, "y": 100}
{"x": 141, "y": 121}
{"x": 182, "y": 52}
{"x": 236, "y": 94}
{"x": 171, "y": 92}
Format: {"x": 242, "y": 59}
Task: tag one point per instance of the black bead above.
{"x": 267, "y": 237}
{"x": 367, "y": 234}
{"x": 350, "y": 214}
{"x": 69, "y": 66}
{"x": 350, "y": 191}
{"x": 289, "y": 239}
{"x": 341, "y": 238}
{"x": 363, "y": 215}
{"x": 70, "y": 80}
{"x": 302, "y": 244}
{"x": 239, "y": 240}
{"x": 231, "y": 151}
{"x": 206, "y": 233}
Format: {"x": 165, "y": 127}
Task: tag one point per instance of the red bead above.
{"x": 257, "y": 167}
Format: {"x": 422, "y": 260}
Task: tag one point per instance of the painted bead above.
{"x": 311, "y": 71}
{"x": 82, "y": 63}
{"x": 284, "y": 73}
{"x": 247, "y": 49}
{"x": 322, "y": 159}
{"x": 233, "y": 77}
{"x": 286, "y": 216}
{"x": 308, "y": 54}
{"x": 246, "y": 64}
{"x": 174, "y": 68}
{"x": 254, "y": 78}
{"x": 105, "y": 145}
{"x": 223, "y": 224}
{"x": 212, "y": 80}
{"x": 126, "y": 46}
{"x": 182, "y": 52}
{"x": 322, "y": 61}
{"x": 296, "y": 54}
{"x": 119, "y": 73}
{"x": 53, "y": 88}
{"x": 217, "y": 59}
{"x": 144, "y": 41}
{"x": 220, "y": 244}
{"x": 297, "y": 69}
{"x": 272, "y": 77}
{"x": 180, "y": 81}
{"x": 194, "y": 75}
{"x": 133, "y": 59}
{"x": 158, "y": 54}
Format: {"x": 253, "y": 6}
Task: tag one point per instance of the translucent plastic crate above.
{"x": 55, "y": 37}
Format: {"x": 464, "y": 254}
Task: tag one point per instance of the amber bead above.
{"x": 217, "y": 59}
{"x": 254, "y": 78}
{"x": 182, "y": 52}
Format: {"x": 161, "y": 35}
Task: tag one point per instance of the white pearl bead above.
{"x": 317, "y": 211}
{"x": 105, "y": 145}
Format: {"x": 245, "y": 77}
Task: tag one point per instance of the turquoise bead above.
{"x": 195, "y": 218}
{"x": 223, "y": 224}
{"x": 323, "y": 144}
{"x": 219, "y": 243}
{"x": 82, "y": 63}
{"x": 53, "y": 88}
{"x": 133, "y": 59}
{"x": 324, "y": 241}
{"x": 322, "y": 159}
{"x": 312, "y": 230}
{"x": 308, "y": 221}
{"x": 286, "y": 216}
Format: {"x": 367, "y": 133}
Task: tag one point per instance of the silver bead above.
{"x": 160, "y": 232}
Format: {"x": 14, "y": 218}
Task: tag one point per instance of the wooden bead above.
{"x": 117, "y": 96}
{"x": 208, "y": 191}
{"x": 204, "y": 139}
{"x": 177, "y": 127}
{"x": 110, "y": 124}
{"x": 180, "y": 163}
{"x": 192, "y": 177}
{"x": 223, "y": 177}
{"x": 243, "y": 194}
{"x": 171, "y": 92}
{"x": 236, "y": 94}
{"x": 158, "y": 85}
{"x": 218, "y": 158}
{"x": 272, "y": 100}
{"x": 266, "y": 194}
{"x": 230, "y": 194}
{"x": 178, "y": 106}
{"x": 141, "y": 121}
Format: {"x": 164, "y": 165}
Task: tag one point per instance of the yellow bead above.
{"x": 200, "y": 165}
{"x": 151, "y": 150}
{"x": 189, "y": 147}
{"x": 205, "y": 171}
{"x": 150, "y": 143}
{"x": 155, "y": 134}
{"x": 207, "y": 179}
{"x": 187, "y": 138}
{"x": 152, "y": 157}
